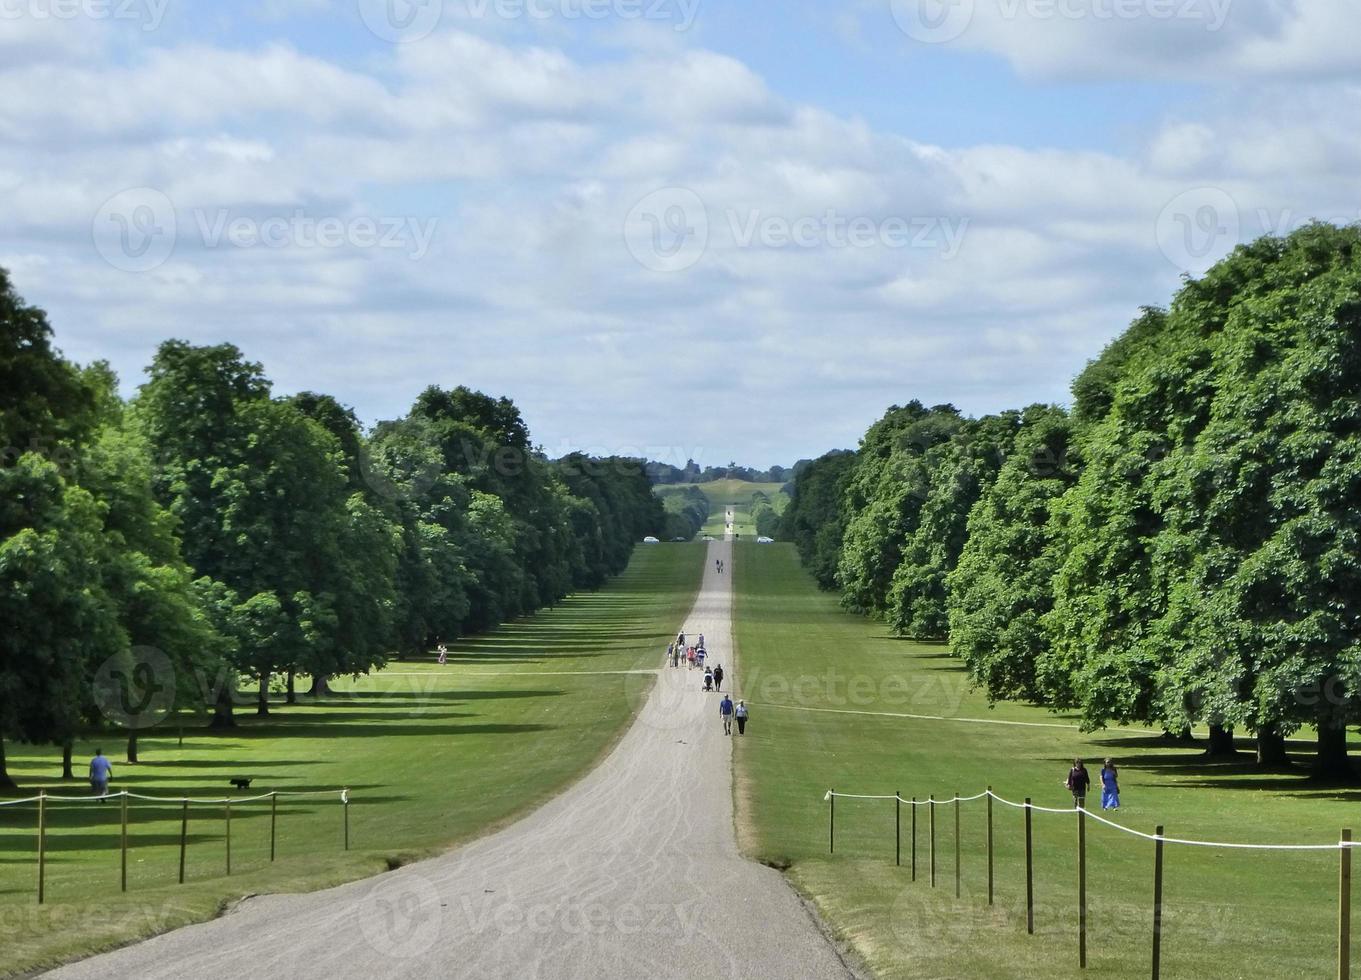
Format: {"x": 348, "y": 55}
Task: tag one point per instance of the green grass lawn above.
{"x": 1227, "y": 913}
{"x": 735, "y": 493}
{"x": 433, "y": 756}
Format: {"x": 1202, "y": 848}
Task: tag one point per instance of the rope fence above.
{"x": 1343, "y": 847}
{"x": 123, "y": 797}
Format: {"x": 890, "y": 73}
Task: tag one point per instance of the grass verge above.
{"x": 433, "y": 756}
{"x": 815, "y": 675}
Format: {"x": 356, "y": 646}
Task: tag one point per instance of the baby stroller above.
{"x": 708, "y": 680}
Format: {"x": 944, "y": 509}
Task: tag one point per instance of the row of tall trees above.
{"x": 1181, "y": 546}
{"x": 158, "y": 553}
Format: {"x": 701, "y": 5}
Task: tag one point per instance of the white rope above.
{"x": 1110, "y": 823}
{"x": 344, "y": 797}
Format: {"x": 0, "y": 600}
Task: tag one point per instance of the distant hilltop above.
{"x": 665, "y": 473}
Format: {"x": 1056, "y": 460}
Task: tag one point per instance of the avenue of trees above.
{"x": 207, "y": 534}
{"x": 1181, "y": 546}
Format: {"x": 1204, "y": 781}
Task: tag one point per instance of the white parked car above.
{"x": 650, "y": 540}
{"x": 765, "y": 540}
{"x": 709, "y": 537}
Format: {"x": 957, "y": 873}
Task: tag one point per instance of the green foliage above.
{"x": 240, "y": 534}
{"x": 686, "y": 511}
{"x": 1001, "y": 587}
{"x": 814, "y": 519}
{"x": 884, "y": 498}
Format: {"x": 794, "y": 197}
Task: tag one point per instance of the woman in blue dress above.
{"x": 1110, "y": 787}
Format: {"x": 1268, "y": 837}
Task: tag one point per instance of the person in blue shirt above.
{"x": 101, "y": 771}
{"x": 725, "y": 712}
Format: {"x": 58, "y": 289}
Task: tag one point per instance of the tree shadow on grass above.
{"x": 307, "y": 728}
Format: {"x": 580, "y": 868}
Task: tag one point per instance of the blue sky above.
{"x": 724, "y": 231}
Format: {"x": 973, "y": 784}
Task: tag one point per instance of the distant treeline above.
{"x": 208, "y": 532}
{"x": 1181, "y": 547}
{"x": 687, "y": 508}
{"x": 665, "y": 473}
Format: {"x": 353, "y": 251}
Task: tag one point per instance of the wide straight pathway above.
{"x": 633, "y": 872}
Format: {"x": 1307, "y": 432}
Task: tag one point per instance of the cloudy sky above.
{"x": 734, "y": 229}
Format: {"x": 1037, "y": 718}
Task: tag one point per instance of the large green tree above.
{"x": 1002, "y": 585}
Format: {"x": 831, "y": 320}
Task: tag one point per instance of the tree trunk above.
{"x": 1221, "y": 742}
{"x": 292, "y": 694}
{"x": 262, "y": 701}
{"x": 321, "y": 686}
{"x": 132, "y": 747}
{"x": 1332, "y": 762}
{"x": 5, "y": 781}
{"x": 66, "y": 772}
{"x": 222, "y": 712}
{"x": 1271, "y": 747}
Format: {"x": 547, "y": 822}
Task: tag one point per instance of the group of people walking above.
{"x": 694, "y": 657}
{"x": 1079, "y": 781}
{"x": 718, "y": 565}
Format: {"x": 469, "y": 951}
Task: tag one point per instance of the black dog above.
{"x": 241, "y": 783}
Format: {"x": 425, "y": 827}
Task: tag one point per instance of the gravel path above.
{"x": 633, "y": 872}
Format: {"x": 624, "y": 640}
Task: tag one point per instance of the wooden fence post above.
{"x": 184, "y": 836}
{"x": 1158, "y": 902}
{"x": 989, "y": 799}
{"x": 1344, "y": 908}
{"x": 345, "y": 802}
{"x": 914, "y": 838}
{"x": 1029, "y": 874}
{"x": 831, "y": 821}
{"x": 123, "y": 841}
{"x": 42, "y": 845}
{"x": 273, "y": 820}
{"x": 1082, "y": 888}
{"x": 229, "y": 836}
{"x": 897, "y": 830}
{"x": 957, "y": 878}
{"x": 931, "y": 807}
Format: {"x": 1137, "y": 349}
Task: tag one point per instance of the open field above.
{"x": 722, "y": 493}
{"x": 433, "y": 756}
{"x": 1227, "y": 913}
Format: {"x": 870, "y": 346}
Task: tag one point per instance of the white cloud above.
{"x": 1019, "y": 264}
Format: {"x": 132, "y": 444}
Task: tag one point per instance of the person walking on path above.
{"x": 699, "y": 656}
{"x": 101, "y": 771}
{"x": 740, "y": 713}
{"x": 725, "y": 712}
{"x": 443, "y": 657}
{"x": 1078, "y": 783}
{"x": 708, "y": 680}
{"x": 690, "y": 658}
{"x": 718, "y": 678}
{"x": 700, "y": 644}
{"x": 680, "y": 639}
{"x": 1110, "y": 787}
